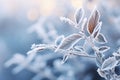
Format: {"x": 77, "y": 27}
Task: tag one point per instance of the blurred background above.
{"x": 25, "y": 22}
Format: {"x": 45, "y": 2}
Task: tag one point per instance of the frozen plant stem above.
{"x": 53, "y": 48}
{"x": 67, "y": 45}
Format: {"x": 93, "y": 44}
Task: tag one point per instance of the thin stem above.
{"x": 53, "y": 47}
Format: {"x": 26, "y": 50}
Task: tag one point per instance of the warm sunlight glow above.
{"x": 77, "y": 3}
{"x": 33, "y": 14}
{"x": 46, "y": 6}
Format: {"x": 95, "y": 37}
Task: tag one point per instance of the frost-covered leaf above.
{"x": 93, "y": 21}
{"x": 97, "y": 30}
{"x": 116, "y": 55}
{"x": 104, "y": 49}
{"x": 65, "y": 58}
{"x": 79, "y": 15}
{"x": 101, "y": 73}
{"x": 109, "y": 63}
{"x": 69, "y": 41}
{"x": 101, "y": 39}
{"x": 59, "y": 40}
{"x": 78, "y": 48}
{"x": 67, "y": 20}
{"x": 99, "y": 59}
{"x": 35, "y": 50}
{"x": 84, "y": 24}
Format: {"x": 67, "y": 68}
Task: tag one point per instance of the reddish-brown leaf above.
{"x": 93, "y": 21}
